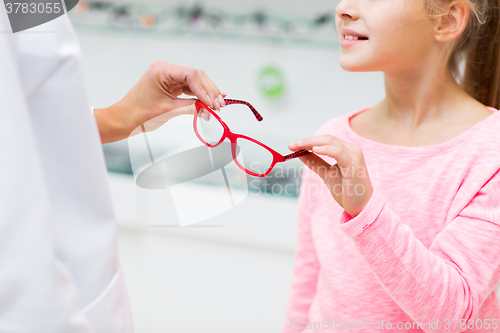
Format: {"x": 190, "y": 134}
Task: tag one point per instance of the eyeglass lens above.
{"x": 253, "y": 156}
{"x": 209, "y": 128}
{"x": 250, "y": 155}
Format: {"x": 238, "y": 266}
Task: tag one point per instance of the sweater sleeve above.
{"x": 452, "y": 278}
{"x": 306, "y": 262}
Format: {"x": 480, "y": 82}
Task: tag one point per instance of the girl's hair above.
{"x": 478, "y": 48}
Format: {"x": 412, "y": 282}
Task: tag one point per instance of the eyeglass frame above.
{"x": 277, "y": 157}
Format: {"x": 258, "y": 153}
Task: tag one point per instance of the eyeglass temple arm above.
{"x": 298, "y": 153}
{"x": 235, "y": 101}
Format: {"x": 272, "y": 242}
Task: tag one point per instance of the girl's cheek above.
{"x": 338, "y": 24}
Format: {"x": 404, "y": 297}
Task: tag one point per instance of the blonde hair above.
{"x": 478, "y": 48}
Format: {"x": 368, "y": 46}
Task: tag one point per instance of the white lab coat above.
{"x": 59, "y": 265}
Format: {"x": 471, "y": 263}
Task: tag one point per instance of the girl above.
{"x": 406, "y": 233}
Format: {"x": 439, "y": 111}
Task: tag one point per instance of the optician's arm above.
{"x": 37, "y": 293}
{"x": 155, "y": 97}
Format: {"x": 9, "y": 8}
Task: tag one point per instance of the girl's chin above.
{"x": 351, "y": 65}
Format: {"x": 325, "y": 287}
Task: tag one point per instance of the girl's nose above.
{"x": 348, "y": 10}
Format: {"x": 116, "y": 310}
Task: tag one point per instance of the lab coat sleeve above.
{"x": 37, "y": 292}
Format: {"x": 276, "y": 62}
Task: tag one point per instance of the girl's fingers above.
{"x": 322, "y": 140}
{"x": 340, "y": 155}
{"x": 316, "y": 164}
{"x": 330, "y": 146}
{"x": 293, "y": 147}
{"x": 318, "y": 140}
{"x": 353, "y": 148}
{"x": 315, "y": 141}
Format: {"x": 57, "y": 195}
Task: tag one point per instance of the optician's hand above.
{"x": 348, "y": 179}
{"x": 153, "y": 100}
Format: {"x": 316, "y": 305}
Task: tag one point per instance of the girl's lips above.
{"x": 350, "y": 42}
{"x": 350, "y": 32}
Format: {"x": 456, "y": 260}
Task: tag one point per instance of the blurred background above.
{"x": 233, "y": 272}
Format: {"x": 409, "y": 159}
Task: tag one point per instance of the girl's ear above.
{"x": 452, "y": 22}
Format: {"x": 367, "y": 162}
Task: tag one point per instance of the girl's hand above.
{"x": 348, "y": 179}
{"x": 153, "y": 100}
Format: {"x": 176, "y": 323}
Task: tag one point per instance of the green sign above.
{"x": 271, "y": 81}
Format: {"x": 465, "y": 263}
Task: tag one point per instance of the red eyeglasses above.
{"x": 251, "y": 156}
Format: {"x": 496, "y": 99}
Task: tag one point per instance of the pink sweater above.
{"x": 425, "y": 249}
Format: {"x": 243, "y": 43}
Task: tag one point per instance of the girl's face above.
{"x": 392, "y": 35}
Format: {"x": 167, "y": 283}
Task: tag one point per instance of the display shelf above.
{"x": 200, "y": 22}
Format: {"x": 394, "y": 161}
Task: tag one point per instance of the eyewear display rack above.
{"x": 198, "y": 21}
